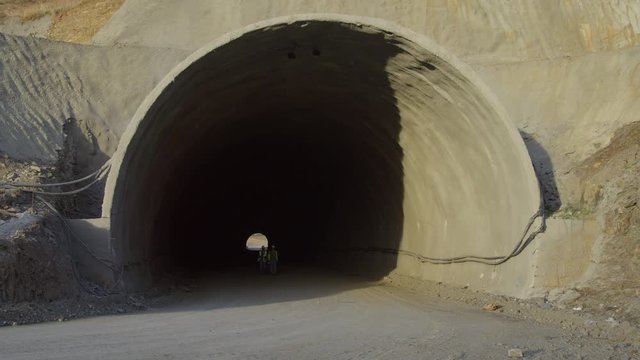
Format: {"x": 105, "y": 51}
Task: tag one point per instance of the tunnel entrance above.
{"x": 312, "y": 167}
{"x": 356, "y": 141}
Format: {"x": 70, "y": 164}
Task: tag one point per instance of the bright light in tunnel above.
{"x": 257, "y": 241}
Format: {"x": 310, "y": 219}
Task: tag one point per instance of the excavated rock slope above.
{"x": 44, "y": 83}
{"x": 74, "y": 21}
{"x": 609, "y": 183}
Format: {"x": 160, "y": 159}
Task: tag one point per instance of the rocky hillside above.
{"x": 75, "y": 21}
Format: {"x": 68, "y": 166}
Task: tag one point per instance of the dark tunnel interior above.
{"x": 306, "y": 151}
{"x": 311, "y": 183}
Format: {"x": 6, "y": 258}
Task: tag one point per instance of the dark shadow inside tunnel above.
{"x": 304, "y": 149}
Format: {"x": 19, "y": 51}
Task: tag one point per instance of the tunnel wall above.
{"x": 468, "y": 186}
{"x": 566, "y": 71}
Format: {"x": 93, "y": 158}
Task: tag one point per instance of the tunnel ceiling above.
{"x": 328, "y": 135}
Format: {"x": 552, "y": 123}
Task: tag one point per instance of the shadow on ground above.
{"x": 244, "y": 286}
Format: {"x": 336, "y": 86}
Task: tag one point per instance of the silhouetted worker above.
{"x": 273, "y": 260}
{"x": 262, "y": 259}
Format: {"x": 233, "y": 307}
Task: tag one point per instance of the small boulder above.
{"x": 563, "y": 296}
{"x": 515, "y": 353}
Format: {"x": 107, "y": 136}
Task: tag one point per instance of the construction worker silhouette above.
{"x": 273, "y": 260}
{"x": 262, "y": 259}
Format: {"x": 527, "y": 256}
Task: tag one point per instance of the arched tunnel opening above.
{"x": 341, "y": 142}
{"x": 309, "y": 155}
{"x": 303, "y": 174}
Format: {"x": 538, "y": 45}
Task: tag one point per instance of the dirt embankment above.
{"x": 607, "y": 187}
{"x": 38, "y": 281}
{"x": 34, "y": 264}
{"x": 73, "y": 21}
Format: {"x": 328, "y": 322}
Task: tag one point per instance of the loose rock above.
{"x": 515, "y": 353}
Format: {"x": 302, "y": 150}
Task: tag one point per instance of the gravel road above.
{"x": 301, "y": 314}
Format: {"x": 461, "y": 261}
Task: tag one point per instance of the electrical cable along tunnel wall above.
{"x": 349, "y": 142}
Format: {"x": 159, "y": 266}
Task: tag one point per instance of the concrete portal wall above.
{"x": 479, "y": 32}
{"x": 469, "y": 186}
{"x": 568, "y": 72}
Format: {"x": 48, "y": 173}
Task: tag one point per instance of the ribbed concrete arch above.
{"x": 352, "y": 134}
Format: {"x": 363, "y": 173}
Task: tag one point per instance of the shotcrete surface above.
{"x": 567, "y": 72}
{"x": 477, "y": 31}
{"x": 44, "y": 83}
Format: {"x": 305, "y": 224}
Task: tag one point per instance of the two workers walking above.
{"x": 268, "y": 257}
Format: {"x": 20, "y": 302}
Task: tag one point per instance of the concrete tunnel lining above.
{"x": 328, "y": 133}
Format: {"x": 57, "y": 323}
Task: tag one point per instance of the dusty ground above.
{"x": 303, "y": 314}
{"x": 577, "y": 313}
